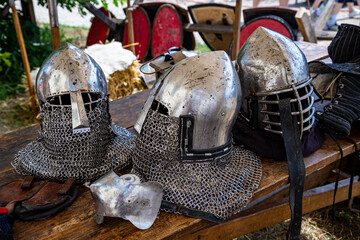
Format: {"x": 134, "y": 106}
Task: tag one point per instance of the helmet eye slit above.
{"x": 159, "y": 107}
{"x": 90, "y": 100}
{"x": 86, "y": 97}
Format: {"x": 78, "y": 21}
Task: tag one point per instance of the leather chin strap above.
{"x": 176, "y": 208}
{"x": 296, "y": 166}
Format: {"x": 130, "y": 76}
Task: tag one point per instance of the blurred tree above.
{"x": 71, "y": 4}
{"x": 37, "y": 40}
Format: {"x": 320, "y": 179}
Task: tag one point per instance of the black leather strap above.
{"x": 353, "y": 159}
{"x": 296, "y": 166}
{"x": 190, "y": 212}
{"x": 337, "y": 177}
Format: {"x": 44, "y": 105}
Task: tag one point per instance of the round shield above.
{"x": 167, "y": 30}
{"x": 271, "y": 22}
{"x": 214, "y": 14}
{"x": 141, "y": 27}
{"x": 98, "y": 30}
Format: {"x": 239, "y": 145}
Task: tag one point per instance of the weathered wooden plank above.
{"x": 125, "y": 111}
{"x": 276, "y": 173}
{"x": 279, "y": 211}
{"x": 79, "y": 215}
{"x": 325, "y": 35}
{"x": 76, "y": 221}
{"x": 237, "y": 27}
{"x": 313, "y": 51}
{"x": 12, "y": 142}
{"x": 100, "y": 15}
{"x": 208, "y": 28}
{"x": 314, "y": 179}
{"x": 305, "y": 25}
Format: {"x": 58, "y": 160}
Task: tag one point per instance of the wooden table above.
{"x": 76, "y": 221}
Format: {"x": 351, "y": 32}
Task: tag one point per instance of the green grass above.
{"x": 201, "y": 48}
{"x": 63, "y": 26}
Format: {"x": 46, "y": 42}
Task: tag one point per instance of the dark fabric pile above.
{"x": 270, "y": 145}
{"x": 6, "y": 221}
{"x": 339, "y": 82}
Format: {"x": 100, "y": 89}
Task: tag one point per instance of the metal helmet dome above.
{"x": 271, "y": 67}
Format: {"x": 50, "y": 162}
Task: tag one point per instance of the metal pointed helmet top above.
{"x": 271, "y": 62}
{"x": 68, "y": 69}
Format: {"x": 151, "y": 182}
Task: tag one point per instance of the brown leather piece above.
{"x": 178, "y": 56}
{"x": 27, "y": 182}
{"x": 13, "y": 192}
{"x": 33, "y": 191}
{"x": 41, "y": 200}
{"x": 39, "y": 193}
{"x": 48, "y": 194}
{"x": 66, "y": 186}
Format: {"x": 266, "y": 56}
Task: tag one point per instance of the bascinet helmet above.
{"x": 272, "y": 67}
{"x": 185, "y": 140}
{"x": 76, "y": 139}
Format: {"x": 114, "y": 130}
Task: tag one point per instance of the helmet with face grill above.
{"x": 272, "y": 67}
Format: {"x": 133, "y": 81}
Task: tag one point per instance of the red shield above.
{"x": 271, "y": 22}
{"x": 167, "y": 30}
{"x": 141, "y": 26}
{"x": 98, "y": 30}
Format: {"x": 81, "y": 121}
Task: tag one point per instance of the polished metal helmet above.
{"x": 126, "y": 197}
{"x": 77, "y": 139}
{"x": 205, "y": 98}
{"x": 69, "y": 74}
{"x": 185, "y": 140}
{"x": 272, "y": 67}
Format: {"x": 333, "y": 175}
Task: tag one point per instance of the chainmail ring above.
{"x": 59, "y": 154}
{"x": 219, "y": 187}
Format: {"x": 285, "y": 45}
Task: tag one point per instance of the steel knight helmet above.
{"x": 271, "y": 67}
{"x": 185, "y": 140}
{"x": 76, "y": 139}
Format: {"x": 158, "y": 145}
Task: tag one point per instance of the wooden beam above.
{"x": 24, "y": 56}
{"x": 275, "y": 212}
{"x": 77, "y": 218}
{"x": 208, "y": 28}
{"x": 312, "y": 180}
{"x": 324, "y": 15}
{"x": 129, "y": 11}
{"x": 5, "y": 10}
{"x": 55, "y": 37}
{"x": 28, "y": 10}
{"x": 100, "y": 15}
{"x": 313, "y": 51}
{"x": 304, "y": 22}
{"x": 236, "y": 33}
{"x": 54, "y": 24}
